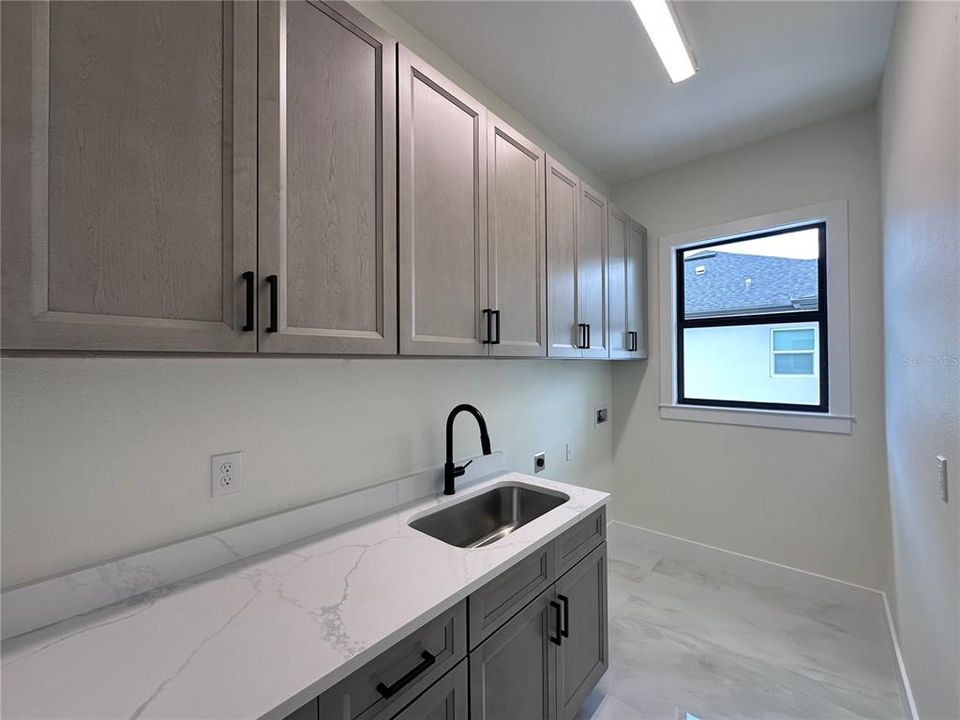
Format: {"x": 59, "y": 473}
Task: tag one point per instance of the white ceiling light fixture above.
{"x": 664, "y": 31}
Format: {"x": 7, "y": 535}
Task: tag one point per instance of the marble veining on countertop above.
{"x": 260, "y": 636}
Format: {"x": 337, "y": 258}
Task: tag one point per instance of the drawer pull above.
{"x": 272, "y": 282}
{"x": 558, "y": 639}
{"x": 388, "y": 691}
{"x": 565, "y": 631}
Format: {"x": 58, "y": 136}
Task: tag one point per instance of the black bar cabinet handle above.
{"x": 634, "y": 341}
{"x": 388, "y": 691}
{"x": 248, "y": 277}
{"x": 588, "y": 337}
{"x": 581, "y": 336}
{"x": 488, "y": 314}
{"x": 496, "y": 314}
{"x": 565, "y": 630}
{"x": 273, "y": 282}
{"x": 558, "y": 639}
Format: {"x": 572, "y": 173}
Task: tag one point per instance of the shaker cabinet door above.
{"x": 592, "y": 271}
{"x": 637, "y": 289}
{"x": 327, "y": 180}
{"x": 582, "y": 657}
{"x": 563, "y": 229}
{"x": 129, "y": 175}
{"x": 617, "y": 252}
{"x": 516, "y": 243}
{"x": 512, "y": 674}
{"x": 443, "y": 214}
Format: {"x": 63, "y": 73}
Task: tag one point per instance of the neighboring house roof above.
{"x": 722, "y": 287}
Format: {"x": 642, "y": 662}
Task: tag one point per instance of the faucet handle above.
{"x": 461, "y": 469}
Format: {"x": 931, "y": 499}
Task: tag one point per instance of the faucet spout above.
{"x": 451, "y": 471}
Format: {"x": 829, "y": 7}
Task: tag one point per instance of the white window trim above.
{"x": 815, "y": 351}
{"x": 840, "y": 418}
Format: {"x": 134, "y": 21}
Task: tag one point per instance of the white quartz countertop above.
{"x": 259, "y": 637}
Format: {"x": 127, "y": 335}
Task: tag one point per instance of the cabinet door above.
{"x": 592, "y": 271}
{"x": 617, "y": 230}
{"x": 582, "y": 657}
{"x": 637, "y": 287}
{"x": 327, "y": 181}
{"x": 443, "y": 214}
{"x": 512, "y": 674}
{"x": 516, "y": 242}
{"x": 129, "y": 175}
{"x": 563, "y": 228}
{"x": 447, "y": 700}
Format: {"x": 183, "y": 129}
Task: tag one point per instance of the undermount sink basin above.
{"x": 486, "y": 518}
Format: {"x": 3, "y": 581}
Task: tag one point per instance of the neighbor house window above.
{"x": 751, "y": 318}
{"x": 793, "y": 351}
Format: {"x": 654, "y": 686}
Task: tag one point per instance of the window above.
{"x": 735, "y": 297}
{"x": 754, "y": 321}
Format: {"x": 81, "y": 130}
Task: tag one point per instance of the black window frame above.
{"x": 818, "y": 316}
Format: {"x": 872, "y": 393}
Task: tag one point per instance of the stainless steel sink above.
{"x": 486, "y": 518}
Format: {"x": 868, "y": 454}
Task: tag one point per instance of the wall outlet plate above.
{"x": 539, "y": 462}
{"x": 226, "y": 473}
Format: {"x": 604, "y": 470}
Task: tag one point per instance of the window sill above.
{"x": 809, "y": 422}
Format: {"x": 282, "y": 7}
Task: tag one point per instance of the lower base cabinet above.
{"x": 538, "y": 645}
{"x": 513, "y": 673}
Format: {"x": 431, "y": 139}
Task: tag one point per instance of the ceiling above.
{"x": 586, "y": 74}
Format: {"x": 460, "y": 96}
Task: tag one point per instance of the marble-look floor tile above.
{"x": 689, "y": 639}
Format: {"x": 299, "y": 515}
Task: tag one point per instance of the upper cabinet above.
{"x": 576, "y": 266}
{"x": 516, "y": 242}
{"x": 627, "y": 286}
{"x": 129, "y": 176}
{"x": 637, "y": 289}
{"x": 443, "y": 215}
{"x": 283, "y": 177}
{"x": 327, "y": 180}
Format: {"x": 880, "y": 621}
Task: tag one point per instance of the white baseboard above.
{"x": 862, "y": 599}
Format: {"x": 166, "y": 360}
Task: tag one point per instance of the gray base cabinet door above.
{"x": 443, "y": 214}
{"x": 513, "y": 673}
{"x": 327, "y": 179}
{"x": 517, "y": 248}
{"x": 582, "y": 656}
{"x": 129, "y": 175}
{"x": 447, "y": 700}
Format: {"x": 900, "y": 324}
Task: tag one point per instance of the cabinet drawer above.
{"x": 500, "y": 599}
{"x": 447, "y": 700}
{"x": 577, "y": 542}
{"x": 388, "y": 682}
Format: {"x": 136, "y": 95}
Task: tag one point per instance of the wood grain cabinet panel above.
{"x": 563, "y": 230}
{"x": 592, "y": 271}
{"x": 618, "y": 226}
{"x": 129, "y": 195}
{"x": 516, "y": 235}
{"x": 443, "y": 214}
{"x": 637, "y": 288}
{"x": 327, "y": 154}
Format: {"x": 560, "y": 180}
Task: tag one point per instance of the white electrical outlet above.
{"x": 942, "y": 477}
{"x": 226, "y": 473}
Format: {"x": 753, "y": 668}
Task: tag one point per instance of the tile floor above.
{"x": 687, "y": 639}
